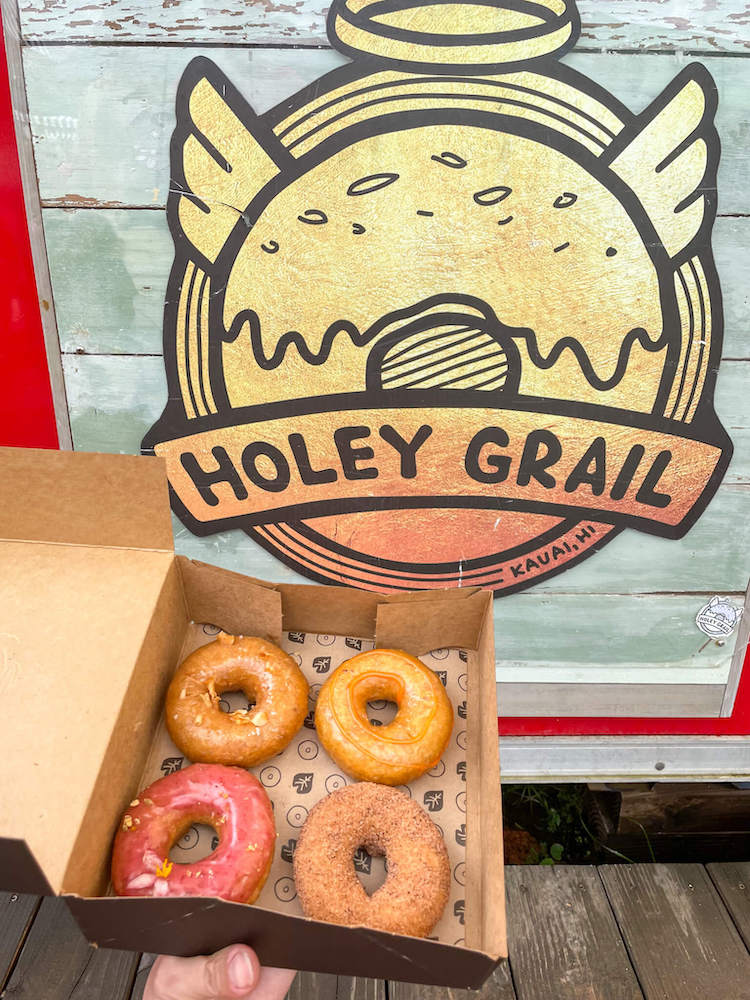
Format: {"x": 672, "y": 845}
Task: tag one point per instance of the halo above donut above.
{"x": 454, "y": 36}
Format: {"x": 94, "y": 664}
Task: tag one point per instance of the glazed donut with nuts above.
{"x": 267, "y": 675}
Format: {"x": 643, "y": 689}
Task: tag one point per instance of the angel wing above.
{"x": 222, "y": 154}
{"x": 669, "y": 155}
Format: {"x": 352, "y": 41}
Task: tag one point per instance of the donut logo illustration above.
{"x": 449, "y": 316}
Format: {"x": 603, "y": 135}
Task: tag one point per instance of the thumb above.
{"x": 229, "y": 974}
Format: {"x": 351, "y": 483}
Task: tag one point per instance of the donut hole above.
{"x": 370, "y": 867}
{"x": 235, "y": 700}
{"x": 377, "y": 697}
{"x": 196, "y": 842}
{"x": 380, "y": 712}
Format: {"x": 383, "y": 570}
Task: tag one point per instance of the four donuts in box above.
{"x": 194, "y": 758}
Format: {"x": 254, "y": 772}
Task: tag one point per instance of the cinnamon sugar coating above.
{"x": 385, "y": 822}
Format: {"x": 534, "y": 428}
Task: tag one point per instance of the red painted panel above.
{"x": 27, "y": 416}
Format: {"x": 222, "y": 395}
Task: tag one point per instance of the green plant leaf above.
{"x": 556, "y": 851}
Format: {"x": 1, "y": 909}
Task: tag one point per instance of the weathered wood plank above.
{"x": 733, "y": 883}
{"x": 348, "y": 988}
{"x": 319, "y": 986}
{"x": 110, "y": 269}
{"x": 57, "y": 963}
{"x": 114, "y": 400}
{"x": 642, "y": 24}
{"x": 16, "y": 913}
{"x": 498, "y": 987}
{"x": 553, "y": 637}
{"x": 564, "y": 942}
{"x": 312, "y": 986}
{"x": 680, "y": 938}
{"x": 115, "y": 151}
{"x": 109, "y": 276}
{"x": 731, "y": 238}
{"x": 122, "y": 395}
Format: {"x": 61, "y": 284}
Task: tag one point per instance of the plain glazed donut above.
{"x": 385, "y": 822}
{"x": 230, "y": 800}
{"x": 267, "y": 675}
{"x": 401, "y": 751}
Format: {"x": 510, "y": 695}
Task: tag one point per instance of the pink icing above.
{"x": 228, "y": 798}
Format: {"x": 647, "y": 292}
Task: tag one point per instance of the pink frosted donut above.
{"x": 230, "y": 800}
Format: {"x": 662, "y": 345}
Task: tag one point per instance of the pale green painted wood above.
{"x": 732, "y": 404}
{"x": 113, "y": 400}
{"x": 731, "y": 239}
{"x": 115, "y": 151}
{"x": 710, "y": 25}
{"x": 627, "y": 637}
{"x": 109, "y": 274}
{"x": 548, "y": 637}
{"x": 631, "y": 563}
{"x": 109, "y": 271}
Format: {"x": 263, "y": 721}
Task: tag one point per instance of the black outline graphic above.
{"x": 289, "y": 522}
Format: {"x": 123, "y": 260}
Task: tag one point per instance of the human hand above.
{"x": 230, "y": 974}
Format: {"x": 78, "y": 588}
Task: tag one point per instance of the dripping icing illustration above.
{"x": 454, "y": 277}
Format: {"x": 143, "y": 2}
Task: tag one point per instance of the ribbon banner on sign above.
{"x": 449, "y": 315}
{"x": 338, "y": 460}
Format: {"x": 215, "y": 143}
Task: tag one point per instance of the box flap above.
{"x": 72, "y": 623}
{"x": 333, "y": 610}
{"x": 77, "y": 498}
{"x": 447, "y": 618}
{"x": 236, "y": 603}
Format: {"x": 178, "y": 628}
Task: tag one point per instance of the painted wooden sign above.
{"x": 448, "y": 315}
{"x": 644, "y": 637}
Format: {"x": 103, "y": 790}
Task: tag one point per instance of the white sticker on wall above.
{"x": 718, "y": 618}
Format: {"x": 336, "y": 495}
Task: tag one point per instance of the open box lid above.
{"x": 90, "y": 595}
{"x": 85, "y": 548}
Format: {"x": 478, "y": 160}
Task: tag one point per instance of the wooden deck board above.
{"x": 16, "y": 914}
{"x": 313, "y": 986}
{"x": 319, "y": 986}
{"x": 563, "y": 939}
{"x": 349, "y": 988}
{"x": 498, "y": 987}
{"x": 681, "y": 940}
{"x": 566, "y": 941}
{"x": 57, "y": 963}
{"x": 733, "y": 883}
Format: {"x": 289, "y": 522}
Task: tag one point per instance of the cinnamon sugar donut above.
{"x": 411, "y": 743}
{"x": 385, "y": 822}
{"x": 266, "y": 674}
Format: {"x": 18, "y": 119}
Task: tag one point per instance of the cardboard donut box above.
{"x": 95, "y": 609}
